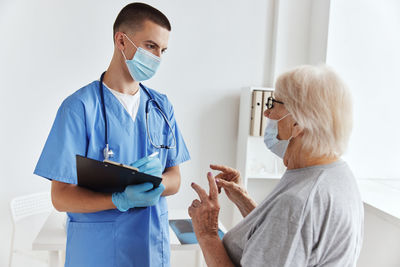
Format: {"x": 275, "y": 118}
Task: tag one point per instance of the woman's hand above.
{"x": 204, "y": 212}
{"x": 227, "y": 174}
{"x": 229, "y": 180}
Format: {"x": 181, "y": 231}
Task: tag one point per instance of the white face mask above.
{"x": 278, "y": 147}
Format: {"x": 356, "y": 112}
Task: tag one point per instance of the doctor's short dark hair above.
{"x": 133, "y": 15}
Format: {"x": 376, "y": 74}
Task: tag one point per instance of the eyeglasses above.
{"x": 271, "y": 101}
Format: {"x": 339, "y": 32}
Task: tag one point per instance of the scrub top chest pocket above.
{"x": 160, "y": 132}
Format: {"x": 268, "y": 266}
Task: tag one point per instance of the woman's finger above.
{"x": 190, "y": 211}
{"x": 220, "y": 175}
{"x": 228, "y": 176}
{"x": 219, "y": 189}
{"x": 221, "y": 168}
{"x": 196, "y": 203}
{"x": 213, "y": 186}
{"x": 200, "y": 191}
{"x": 225, "y": 184}
{"x": 228, "y": 173}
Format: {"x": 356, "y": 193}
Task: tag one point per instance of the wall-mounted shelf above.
{"x": 254, "y": 160}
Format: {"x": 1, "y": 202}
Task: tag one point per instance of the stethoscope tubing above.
{"x": 107, "y": 151}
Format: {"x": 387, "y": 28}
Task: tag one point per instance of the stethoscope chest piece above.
{"x": 107, "y": 152}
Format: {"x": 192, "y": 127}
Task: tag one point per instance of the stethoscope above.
{"x": 107, "y": 152}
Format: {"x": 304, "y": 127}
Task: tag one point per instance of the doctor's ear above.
{"x": 297, "y": 130}
{"x": 119, "y": 40}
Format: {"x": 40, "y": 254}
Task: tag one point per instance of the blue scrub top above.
{"x": 140, "y": 236}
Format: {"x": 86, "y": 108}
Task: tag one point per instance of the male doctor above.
{"x": 129, "y": 228}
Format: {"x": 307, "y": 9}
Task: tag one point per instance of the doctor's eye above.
{"x": 150, "y": 46}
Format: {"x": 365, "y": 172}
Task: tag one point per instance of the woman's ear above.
{"x": 297, "y": 130}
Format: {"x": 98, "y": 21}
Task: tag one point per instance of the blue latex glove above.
{"x": 149, "y": 165}
{"x": 141, "y": 195}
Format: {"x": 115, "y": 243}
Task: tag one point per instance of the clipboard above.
{"x": 108, "y": 176}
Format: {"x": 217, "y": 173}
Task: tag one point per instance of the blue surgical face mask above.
{"x": 143, "y": 65}
{"x": 278, "y": 147}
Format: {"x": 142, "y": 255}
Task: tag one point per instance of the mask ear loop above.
{"x": 284, "y": 117}
{"x": 291, "y": 136}
{"x": 131, "y": 43}
{"x": 123, "y": 54}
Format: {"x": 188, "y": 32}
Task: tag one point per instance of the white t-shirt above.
{"x": 129, "y": 102}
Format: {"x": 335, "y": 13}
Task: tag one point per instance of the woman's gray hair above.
{"x": 320, "y": 102}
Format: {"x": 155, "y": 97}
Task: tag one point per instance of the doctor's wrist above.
{"x": 119, "y": 201}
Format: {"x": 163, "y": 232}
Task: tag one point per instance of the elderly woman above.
{"x": 314, "y": 216}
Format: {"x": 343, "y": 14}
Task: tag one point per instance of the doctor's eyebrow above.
{"x": 156, "y": 45}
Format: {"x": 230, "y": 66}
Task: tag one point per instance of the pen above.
{"x": 153, "y": 155}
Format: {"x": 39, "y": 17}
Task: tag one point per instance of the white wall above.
{"x": 292, "y": 34}
{"x": 381, "y": 244}
{"x": 363, "y": 46}
{"x": 49, "y": 49}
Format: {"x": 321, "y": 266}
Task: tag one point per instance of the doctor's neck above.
{"x": 118, "y": 78}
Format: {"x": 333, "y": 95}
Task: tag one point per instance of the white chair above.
{"x": 28, "y": 215}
